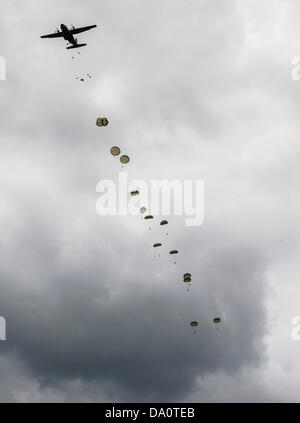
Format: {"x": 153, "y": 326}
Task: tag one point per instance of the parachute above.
{"x": 133, "y": 193}
{"x": 102, "y": 121}
{"x": 158, "y": 244}
{"x": 217, "y": 320}
{"x": 124, "y": 159}
{"x": 174, "y": 252}
{"x": 143, "y": 210}
{"x": 194, "y": 325}
{"x": 115, "y": 151}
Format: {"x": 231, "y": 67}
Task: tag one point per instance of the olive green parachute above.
{"x": 158, "y": 244}
{"x": 148, "y": 217}
{"x": 102, "y": 121}
{"x": 115, "y": 151}
{"x": 133, "y": 193}
{"x": 217, "y": 320}
{"x": 194, "y": 324}
{"x": 187, "y": 279}
{"x": 173, "y": 252}
{"x": 164, "y": 222}
{"x": 124, "y": 159}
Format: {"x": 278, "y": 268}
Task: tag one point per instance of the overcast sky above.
{"x": 194, "y": 89}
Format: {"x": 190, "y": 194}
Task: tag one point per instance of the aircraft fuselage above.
{"x": 68, "y": 36}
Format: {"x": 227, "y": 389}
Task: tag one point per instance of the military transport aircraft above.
{"x": 68, "y": 34}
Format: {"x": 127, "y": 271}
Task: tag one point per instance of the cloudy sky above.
{"x": 192, "y": 90}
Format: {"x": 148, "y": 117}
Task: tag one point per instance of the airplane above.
{"x": 68, "y": 34}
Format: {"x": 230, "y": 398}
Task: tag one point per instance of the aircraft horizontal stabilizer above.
{"x": 76, "y": 46}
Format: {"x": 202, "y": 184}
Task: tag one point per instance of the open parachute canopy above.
{"x": 124, "y": 159}
{"x": 187, "y": 278}
{"x": 194, "y": 324}
{"x": 173, "y": 252}
{"x": 217, "y": 320}
{"x": 164, "y": 222}
{"x": 133, "y": 193}
{"x": 102, "y": 121}
{"x": 158, "y": 244}
{"x": 115, "y": 151}
{"x": 148, "y": 217}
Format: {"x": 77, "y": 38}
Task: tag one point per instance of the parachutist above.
{"x": 194, "y": 324}
{"x": 124, "y": 159}
{"x": 115, "y": 151}
{"x": 102, "y": 121}
{"x": 217, "y": 320}
{"x": 68, "y": 35}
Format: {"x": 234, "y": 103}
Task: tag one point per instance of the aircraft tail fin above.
{"x": 76, "y": 46}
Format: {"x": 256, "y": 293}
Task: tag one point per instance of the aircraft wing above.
{"x": 54, "y": 35}
{"x": 82, "y": 29}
